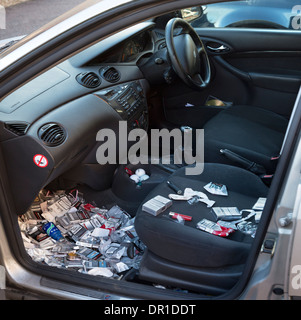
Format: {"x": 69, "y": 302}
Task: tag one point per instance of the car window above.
{"x": 279, "y": 14}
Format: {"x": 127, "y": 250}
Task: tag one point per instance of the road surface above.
{"x": 26, "y": 17}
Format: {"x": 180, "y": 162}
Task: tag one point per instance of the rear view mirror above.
{"x": 190, "y": 14}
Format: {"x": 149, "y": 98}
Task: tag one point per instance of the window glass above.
{"x": 279, "y": 14}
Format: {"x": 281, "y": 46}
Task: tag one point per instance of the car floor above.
{"x": 56, "y": 252}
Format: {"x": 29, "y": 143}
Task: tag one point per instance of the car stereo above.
{"x": 129, "y": 102}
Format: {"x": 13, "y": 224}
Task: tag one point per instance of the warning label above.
{"x": 40, "y": 160}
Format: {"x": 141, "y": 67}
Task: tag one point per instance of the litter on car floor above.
{"x": 61, "y": 229}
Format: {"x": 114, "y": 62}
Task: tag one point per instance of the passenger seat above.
{"x": 196, "y": 258}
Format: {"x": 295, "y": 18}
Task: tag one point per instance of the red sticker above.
{"x": 40, "y": 160}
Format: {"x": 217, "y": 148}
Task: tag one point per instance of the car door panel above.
{"x": 276, "y": 70}
{"x": 254, "y": 67}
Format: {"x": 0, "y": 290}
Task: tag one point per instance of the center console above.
{"x": 129, "y": 102}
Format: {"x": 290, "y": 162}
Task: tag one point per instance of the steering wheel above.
{"x": 188, "y": 55}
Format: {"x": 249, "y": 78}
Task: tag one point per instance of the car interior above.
{"x": 161, "y": 74}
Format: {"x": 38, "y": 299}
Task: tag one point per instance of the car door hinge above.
{"x": 269, "y": 246}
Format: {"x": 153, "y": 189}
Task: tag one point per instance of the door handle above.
{"x": 221, "y": 48}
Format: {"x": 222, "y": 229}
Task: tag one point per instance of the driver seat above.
{"x": 253, "y": 133}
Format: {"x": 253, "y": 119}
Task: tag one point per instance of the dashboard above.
{"x": 129, "y": 51}
{"x": 57, "y": 115}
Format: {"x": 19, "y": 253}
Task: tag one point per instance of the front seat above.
{"x": 184, "y": 256}
{"x": 250, "y": 132}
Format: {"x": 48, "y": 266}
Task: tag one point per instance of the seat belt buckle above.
{"x": 275, "y": 158}
{"x": 269, "y": 246}
{"x": 267, "y": 178}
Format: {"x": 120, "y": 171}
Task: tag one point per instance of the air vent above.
{"x": 18, "y": 128}
{"x": 52, "y": 134}
{"x": 110, "y": 74}
{"x": 89, "y": 80}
